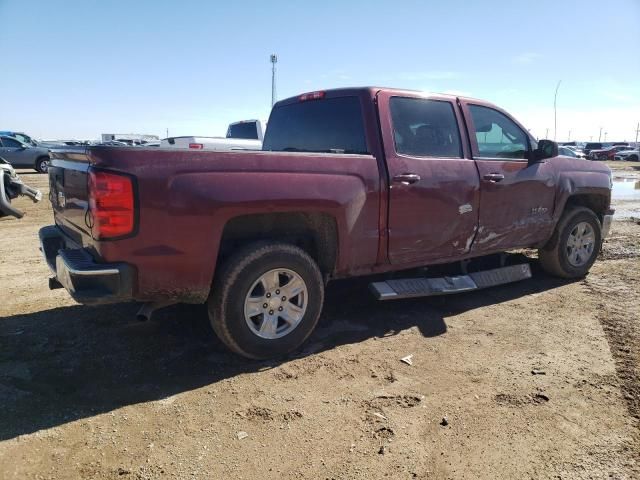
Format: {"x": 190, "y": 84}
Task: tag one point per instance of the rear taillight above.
{"x": 196, "y": 146}
{"x": 112, "y": 205}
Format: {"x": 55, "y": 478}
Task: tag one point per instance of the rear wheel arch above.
{"x": 39, "y": 161}
{"x": 315, "y": 233}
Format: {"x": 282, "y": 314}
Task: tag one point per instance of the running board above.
{"x": 426, "y": 287}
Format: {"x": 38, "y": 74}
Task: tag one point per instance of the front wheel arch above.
{"x": 553, "y": 256}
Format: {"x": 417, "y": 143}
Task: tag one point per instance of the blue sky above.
{"x": 75, "y": 69}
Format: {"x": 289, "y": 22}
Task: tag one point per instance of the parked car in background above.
{"x": 23, "y": 155}
{"x": 22, "y": 137}
{"x": 570, "y": 152}
{"x": 243, "y": 135}
{"x": 607, "y": 153}
{"x": 578, "y": 151}
{"x": 592, "y": 146}
{"x": 349, "y": 182}
{"x": 114, "y": 143}
{"x": 632, "y": 155}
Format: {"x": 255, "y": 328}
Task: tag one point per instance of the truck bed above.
{"x": 185, "y": 198}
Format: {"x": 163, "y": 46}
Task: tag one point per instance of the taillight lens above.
{"x": 196, "y": 146}
{"x": 111, "y": 203}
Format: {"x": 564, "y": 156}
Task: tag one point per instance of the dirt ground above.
{"x": 538, "y": 379}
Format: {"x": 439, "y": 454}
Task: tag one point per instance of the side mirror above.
{"x": 546, "y": 149}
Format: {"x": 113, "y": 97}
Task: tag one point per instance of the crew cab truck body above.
{"x": 349, "y": 182}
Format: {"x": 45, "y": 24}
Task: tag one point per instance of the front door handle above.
{"x": 494, "y": 177}
{"x": 407, "y": 178}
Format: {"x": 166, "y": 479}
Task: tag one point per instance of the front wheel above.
{"x": 266, "y": 300}
{"x": 574, "y": 246}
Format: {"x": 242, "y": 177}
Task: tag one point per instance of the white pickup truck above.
{"x": 242, "y": 135}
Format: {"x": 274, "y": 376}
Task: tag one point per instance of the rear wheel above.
{"x": 266, "y": 300}
{"x": 42, "y": 164}
{"x": 574, "y": 246}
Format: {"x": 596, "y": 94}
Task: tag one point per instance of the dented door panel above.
{"x": 516, "y": 211}
{"x": 436, "y": 215}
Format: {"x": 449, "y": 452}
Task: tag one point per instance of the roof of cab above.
{"x": 372, "y": 91}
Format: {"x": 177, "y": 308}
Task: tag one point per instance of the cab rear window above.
{"x": 333, "y": 125}
{"x": 247, "y": 131}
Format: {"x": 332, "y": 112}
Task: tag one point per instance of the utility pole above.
{"x": 569, "y": 139}
{"x": 637, "y": 131}
{"x": 605, "y": 136}
{"x": 600, "y": 135}
{"x": 274, "y": 60}
{"x": 555, "y": 113}
{"x": 547, "y": 134}
{"x": 167, "y": 132}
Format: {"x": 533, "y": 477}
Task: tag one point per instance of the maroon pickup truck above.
{"x": 349, "y": 182}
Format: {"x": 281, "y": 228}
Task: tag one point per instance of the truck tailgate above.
{"x": 69, "y": 193}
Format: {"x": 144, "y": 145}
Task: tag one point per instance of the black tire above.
{"x": 633, "y": 158}
{"x": 554, "y": 257}
{"x": 231, "y": 286}
{"x": 42, "y": 164}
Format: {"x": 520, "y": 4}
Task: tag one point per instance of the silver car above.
{"x": 22, "y": 155}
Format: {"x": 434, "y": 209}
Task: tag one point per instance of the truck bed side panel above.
{"x": 187, "y": 197}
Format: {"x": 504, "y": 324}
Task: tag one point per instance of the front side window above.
{"x": 498, "y": 136}
{"x": 24, "y": 138}
{"x": 333, "y": 125}
{"x": 425, "y": 128}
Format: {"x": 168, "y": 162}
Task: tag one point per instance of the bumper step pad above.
{"x": 426, "y": 287}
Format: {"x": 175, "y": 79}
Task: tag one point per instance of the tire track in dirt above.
{"x": 613, "y": 282}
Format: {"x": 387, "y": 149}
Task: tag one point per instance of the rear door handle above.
{"x": 494, "y": 177}
{"x": 407, "y": 178}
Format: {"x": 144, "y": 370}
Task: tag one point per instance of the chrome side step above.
{"x": 426, "y": 287}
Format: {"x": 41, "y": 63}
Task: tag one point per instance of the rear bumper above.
{"x": 86, "y": 280}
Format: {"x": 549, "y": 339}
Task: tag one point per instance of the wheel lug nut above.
{"x": 270, "y": 312}
{"x": 284, "y": 298}
{"x": 277, "y": 292}
{"x": 268, "y": 295}
{"x": 265, "y": 305}
{"x": 279, "y": 309}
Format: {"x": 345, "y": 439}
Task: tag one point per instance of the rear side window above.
{"x": 332, "y": 125}
{"x": 9, "y": 142}
{"x": 243, "y": 130}
{"x": 498, "y": 136}
{"x": 425, "y": 128}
